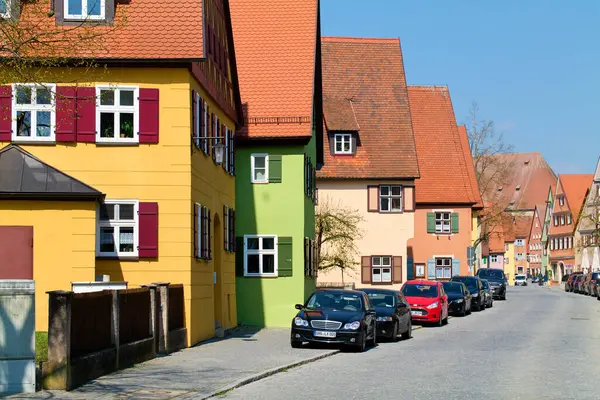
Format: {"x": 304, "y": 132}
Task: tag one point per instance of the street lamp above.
{"x": 219, "y": 149}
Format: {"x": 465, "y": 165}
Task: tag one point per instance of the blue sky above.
{"x": 532, "y": 66}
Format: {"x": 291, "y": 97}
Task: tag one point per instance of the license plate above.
{"x": 324, "y": 334}
{"x": 417, "y": 312}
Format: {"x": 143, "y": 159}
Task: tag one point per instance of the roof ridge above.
{"x": 356, "y": 39}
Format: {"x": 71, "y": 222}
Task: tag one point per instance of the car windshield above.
{"x": 490, "y": 273}
{"x": 520, "y": 278}
{"x": 452, "y": 287}
{"x": 335, "y": 301}
{"x": 384, "y": 300}
{"x": 485, "y": 284}
{"x": 595, "y": 275}
{"x": 419, "y": 290}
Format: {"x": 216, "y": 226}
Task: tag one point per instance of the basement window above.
{"x": 84, "y": 9}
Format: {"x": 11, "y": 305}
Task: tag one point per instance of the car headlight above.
{"x": 384, "y": 319}
{"x": 352, "y": 325}
{"x": 475, "y": 294}
{"x": 459, "y": 300}
{"x": 433, "y": 305}
{"x": 300, "y": 322}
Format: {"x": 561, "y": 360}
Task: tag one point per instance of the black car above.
{"x": 459, "y": 298}
{"x": 475, "y": 287}
{"x": 393, "y": 313}
{"x": 496, "y": 279}
{"x": 489, "y": 297}
{"x": 344, "y": 317}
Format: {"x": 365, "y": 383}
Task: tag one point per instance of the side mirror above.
{"x": 299, "y": 307}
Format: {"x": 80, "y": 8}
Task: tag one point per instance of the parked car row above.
{"x": 588, "y": 284}
{"x": 359, "y": 318}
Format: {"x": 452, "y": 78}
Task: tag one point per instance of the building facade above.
{"x": 445, "y": 197}
{"x": 587, "y": 251}
{"x": 278, "y": 152}
{"x": 535, "y": 246}
{"x": 127, "y": 170}
{"x": 369, "y": 154}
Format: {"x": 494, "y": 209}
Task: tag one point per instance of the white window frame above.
{"x": 33, "y": 108}
{"x": 260, "y": 251}
{"x": 84, "y": 11}
{"x": 493, "y": 258}
{"x": 342, "y": 139}
{"x": 569, "y": 219}
{"x": 391, "y": 197}
{"x": 520, "y": 242}
{"x": 7, "y": 14}
{"x": 444, "y": 268}
{"x": 562, "y": 219}
{"x": 117, "y": 110}
{"x": 561, "y": 200}
{"x": 252, "y": 158}
{"x": 117, "y": 224}
{"x": 381, "y": 265}
{"x": 442, "y": 220}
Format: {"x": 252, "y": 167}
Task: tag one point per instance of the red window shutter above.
{"x": 66, "y": 98}
{"x": 149, "y": 115}
{"x": 5, "y": 113}
{"x": 86, "y": 115}
{"x": 148, "y": 230}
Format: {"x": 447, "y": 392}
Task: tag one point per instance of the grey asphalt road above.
{"x": 541, "y": 343}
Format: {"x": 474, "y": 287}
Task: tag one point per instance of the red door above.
{"x": 16, "y": 252}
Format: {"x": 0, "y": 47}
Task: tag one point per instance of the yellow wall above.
{"x": 63, "y": 245}
{"x": 162, "y": 173}
{"x": 509, "y": 268}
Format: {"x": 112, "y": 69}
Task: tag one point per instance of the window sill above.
{"x": 27, "y": 140}
{"x": 383, "y": 283}
{"x": 259, "y": 182}
{"x": 261, "y": 276}
{"x": 115, "y": 257}
{"x": 104, "y": 142}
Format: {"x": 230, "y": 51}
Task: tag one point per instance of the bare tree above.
{"x": 589, "y": 221}
{"x": 491, "y": 170}
{"x": 336, "y": 231}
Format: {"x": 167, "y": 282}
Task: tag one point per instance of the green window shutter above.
{"x": 430, "y": 222}
{"x": 284, "y": 258}
{"x": 239, "y": 256}
{"x": 275, "y": 169}
{"x": 455, "y": 266}
{"x": 431, "y": 269}
{"x": 454, "y": 222}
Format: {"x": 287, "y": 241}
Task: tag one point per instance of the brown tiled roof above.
{"x": 574, "y": 187}
{"x": 143, "y": 29}
{"x": 339, "y": 114}
{"x": 275, "y": 45}
{"x": 522, "y": 226}
{"x": 370, "y": 72}
{"x": 464, "y": 139}
{"x": 525, "y": 184}
{"x": 444, "y": 176}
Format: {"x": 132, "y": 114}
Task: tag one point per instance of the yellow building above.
{"x": 128, "y": 170}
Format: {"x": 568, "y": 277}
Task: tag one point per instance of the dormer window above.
{"x": 4, "y": 9}
{"x": 343, "y": 143}
{"x": 84, "y": 9}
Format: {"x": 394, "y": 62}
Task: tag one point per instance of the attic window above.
{"x": 500, "y": 188}
{"x": 518, "y": 187}
{"x": 84, "y": 9}
{"x": 527, "y": 162}
{"x": 4, "y": 9}
{"x": 342, "y": 143}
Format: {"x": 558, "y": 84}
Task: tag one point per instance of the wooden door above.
{"x": 16, "y": 252}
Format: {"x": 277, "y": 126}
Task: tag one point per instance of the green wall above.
{"x": 279, "y": 209}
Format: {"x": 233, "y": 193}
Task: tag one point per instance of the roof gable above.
{"x": 22, "y": 175}
{"x": 370, "y": 73}
{"x": 444, "y": 176}
{"x": 276, "y": 52}
{"x": 464, "y": 138}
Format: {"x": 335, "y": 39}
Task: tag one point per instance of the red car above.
{"x": 428, "y": 301}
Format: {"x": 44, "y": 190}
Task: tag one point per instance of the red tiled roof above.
{"x": 371, "y": 73}
{"x": 340, "y": 115}
{"x": 525, "y": 183}
{"x": 143, "y": 29}
{"x": 574, "y": 187}
{"x": 464, "y": 139}
{"x": 275, "y": 45}
{"x": 444, "y": 176}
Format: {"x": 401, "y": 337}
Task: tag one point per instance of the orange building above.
{"x": 570, "y": 194}
{"x": 446, "y": 194}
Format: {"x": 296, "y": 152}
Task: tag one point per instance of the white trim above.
{"x": 33, "y": 108}
{"x": 252, "y": 157}
{"x": 84, "y": 11}
{"x": 117, "y": 224}
{"x": 381, "y": 267}
{"x": 116, "y": 110}
{"x": 261, "y": 251}
{"x": 342, "y": 136}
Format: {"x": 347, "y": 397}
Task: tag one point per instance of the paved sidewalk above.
{"x": 199, "y": 372}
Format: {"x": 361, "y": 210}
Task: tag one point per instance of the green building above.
{"x": 278, "y": 151}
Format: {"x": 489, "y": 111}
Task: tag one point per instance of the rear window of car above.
{"x": 382, "y": 300}
{"x": 490, "y": 273}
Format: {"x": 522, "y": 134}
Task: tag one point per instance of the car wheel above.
{"x": 408, "y": 333}
{"x": 362, "y": 346}
{"x": 492, "y": 303}
{"x": 503, "y": 297}
{"x": 373, "y": 342}
{"x": 464, "y": 310}
{"x": 440, "y": 322}
{"x": 445, "y": 320}
{"x": 396, "y": 336}
{"x": 296, "y": 344}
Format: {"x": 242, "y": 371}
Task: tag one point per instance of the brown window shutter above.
{"x": 195, "y": 116}
{"x": 225, "y": 220}
{"x": 196, "y": 244}
{"x": 209, "y": 249}
{"x": 397, "y": 269}
{"x": 372, "y": 198}
{"x": 365, "y": 267}
{"x": 226, "y": 150}
{"x": 409, "y": 198}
